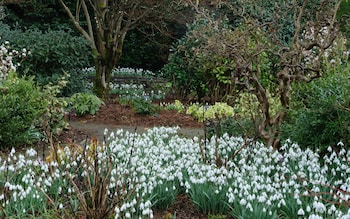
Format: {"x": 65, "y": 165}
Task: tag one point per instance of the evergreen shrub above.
{"x": 21, "y": 106}
{"x": 52, "y": 53}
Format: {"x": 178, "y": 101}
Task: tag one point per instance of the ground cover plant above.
{"x": 130, "y": 174}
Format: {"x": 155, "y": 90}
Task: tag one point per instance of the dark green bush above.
{"x": 232, "y": 127}
{"x": 37, "y": 14}
{"x": 140, "y": 52}
{"x": 182, "y": 70}
{"x": 84, "y": 103}
{"x": 52, "y": 53}
{"x": 321, "y": 114}
{"x": 143, "y": 106}
{"x": 21, "y": 105}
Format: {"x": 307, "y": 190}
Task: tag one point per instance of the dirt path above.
{"x": 97, "y": 130}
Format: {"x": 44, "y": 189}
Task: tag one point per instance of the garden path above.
{"x": 114, "y": 116}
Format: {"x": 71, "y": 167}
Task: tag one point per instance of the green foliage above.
{"x": 343, "y": 15}
{"x": 52, "y": 52}
{"x": 165, "y": 194}
{"x": 21, "y": 105}
{"x": 232, "y": 127}
{"x": 37, "y": 14}
{"x": 77, "y": 83}
{"x": 184, "y": 75}
{"x": 208, "y": 198}
{"x": 321, "y": 115}
{"x": 213, "y": 112}
{"x": 141, "y": 52}
{"x": 143, "y": 106}
{"x": 52, "y": 121}
{"x": 177, "y": 105}
{"x": 85, "y": 103}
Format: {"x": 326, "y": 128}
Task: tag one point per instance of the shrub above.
{"x": 177, "y": 105}
{"x": 52, "y": 52}
{"x": 143, "y": 106}
{"x": 232, "y": 127}
{"x": 322, "y": 116}
{"x": 186, "y": 79}
{"x": 85, "y": 103}
{"x": 21, "y": 105}
{"x": 215, "y": 112}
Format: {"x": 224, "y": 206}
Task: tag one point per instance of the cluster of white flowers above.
{"x": 132, "y": 72}
{"x": 6, "y": 59}
{"x": 128, "y": 90}
{"x": 335, "y": 54}
{"x": 257, "y": 179}
{"x": 119, "y": 71}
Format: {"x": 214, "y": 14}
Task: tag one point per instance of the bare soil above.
{"x": 114, "y": 116}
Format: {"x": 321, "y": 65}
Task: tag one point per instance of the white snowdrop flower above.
{"x": 261, "y": 199}
{"x": 319, "y": 207}
{"x": 47, "y": 182}
{"x": 332, "y": 209}
{"x": 127, "y": 215}
{"x": 31, "y": 152}
{"x": 74, "y": 163}
{"x": 13, "y": 151}
{"x": 308, "y": 209}
{"x": 105, "y": 132}
{"x": 301, "y": 212}
{"x": 14, "y": 195}
{"x": 340, "y": 144}
{"x": 146, "y": 211}
{"x": 243, "y": 202}
{"x": 299, "y": 202}
{"x": 123, "y": 207}
{"x": 313, "y": 216}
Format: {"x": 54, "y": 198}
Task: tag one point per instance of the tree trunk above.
{"x": 102, "y": 80}
{"x": 107, "y": 57}
{"x": 104, "y": 66}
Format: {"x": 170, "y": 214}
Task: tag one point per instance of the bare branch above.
{"x": 77, "y": 25}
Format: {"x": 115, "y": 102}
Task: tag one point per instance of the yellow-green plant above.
{"x": 177, "y": 105}
{"x": 247, "y": 105}
{"x": 217, "y": 111}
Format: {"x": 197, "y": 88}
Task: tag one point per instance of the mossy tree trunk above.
{"x": 106, "y": 58}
